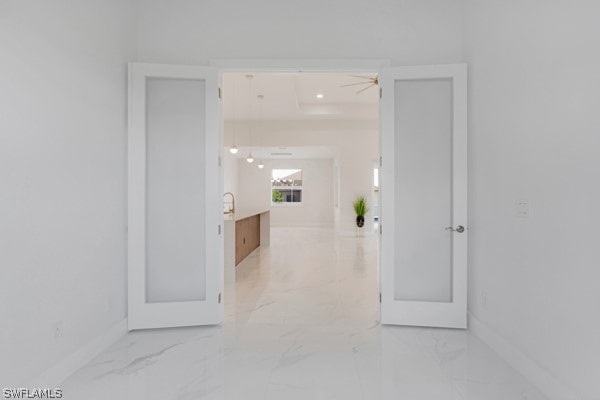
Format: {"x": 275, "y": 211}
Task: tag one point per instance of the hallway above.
{"x": 301, "y": 324}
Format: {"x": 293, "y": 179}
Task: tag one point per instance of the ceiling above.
{"x": 285, "y": 152}
{"x": 293, "y": 96}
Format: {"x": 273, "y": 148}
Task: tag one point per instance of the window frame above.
{"x": 290, "y": 188}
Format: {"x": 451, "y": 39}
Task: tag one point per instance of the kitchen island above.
{"x": 244, "y": 231}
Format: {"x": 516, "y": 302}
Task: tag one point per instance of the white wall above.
{"x": 358, "y": 152}
{"x": 534, "y": 134}
{"x": 62, "y": 178}
{"x": 408, "y": 31}
{"x": 253, "y": 186}
{"x": 230, "y": 174}
{"x": 317, "y": 191}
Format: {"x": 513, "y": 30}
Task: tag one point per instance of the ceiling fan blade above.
{"x": 359, "y": 83}
{"x": 362, "y": 90}
{"x": 364, "y": 77}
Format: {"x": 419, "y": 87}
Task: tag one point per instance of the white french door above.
{"x": 175, "y": 248}
{"x": 423, "y": 180}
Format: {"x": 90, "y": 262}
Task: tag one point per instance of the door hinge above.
{"x": 219, "y": 92}
{"x": 219, "y": 161}
{"x": 380, "y": 92}
{"x": 219, "y": 298}
{"x": 380, "y": 229}
{"x": 380, "y": 161}
{"x": 219, "y": 229}
{"x": 380, "y": 297}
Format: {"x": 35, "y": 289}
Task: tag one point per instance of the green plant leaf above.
{"x": 277, "y": 196}
{"x": 360, "y": 206}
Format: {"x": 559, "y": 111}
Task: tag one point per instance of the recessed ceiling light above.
{"x": 320, "y": 95}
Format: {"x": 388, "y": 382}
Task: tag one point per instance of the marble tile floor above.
{"x": 301, "y": 323}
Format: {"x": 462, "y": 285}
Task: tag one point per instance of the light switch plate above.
{"x": 522, "y": 208}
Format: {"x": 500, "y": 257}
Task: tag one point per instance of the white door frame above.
{"x": 310, "y": 65}
{"x": 300, "y": 65}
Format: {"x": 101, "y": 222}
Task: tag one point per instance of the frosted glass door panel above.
{"x": 175, "y": 190}
{"x": 423, "y": 190}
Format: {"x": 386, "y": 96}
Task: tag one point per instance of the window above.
{"x": 286, "y": 187}
{"x": 376, "y": 178}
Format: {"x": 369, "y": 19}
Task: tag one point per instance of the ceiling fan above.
{"x": 370, "y": 82}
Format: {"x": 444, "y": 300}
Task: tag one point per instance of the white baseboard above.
{"x": 531, "y": 370}
{"x": 58, "y": 373}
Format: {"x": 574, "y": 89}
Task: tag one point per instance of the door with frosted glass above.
{"x": 424, "y": 196}
{"x": 175, "y": 265}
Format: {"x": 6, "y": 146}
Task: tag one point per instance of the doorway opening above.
{"x": 301, "y": 146}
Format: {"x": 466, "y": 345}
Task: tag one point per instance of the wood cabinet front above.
{"x": 247, "y": 237}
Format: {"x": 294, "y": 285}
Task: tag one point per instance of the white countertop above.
{"x": 244, "y": 213}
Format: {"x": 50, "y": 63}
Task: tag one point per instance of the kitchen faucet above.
{"x": 232, "y": 209}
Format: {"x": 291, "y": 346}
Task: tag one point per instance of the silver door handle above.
{"x": 459, "y": 229}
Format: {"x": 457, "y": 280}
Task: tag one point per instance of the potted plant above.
{"x": 360, "y": 208}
